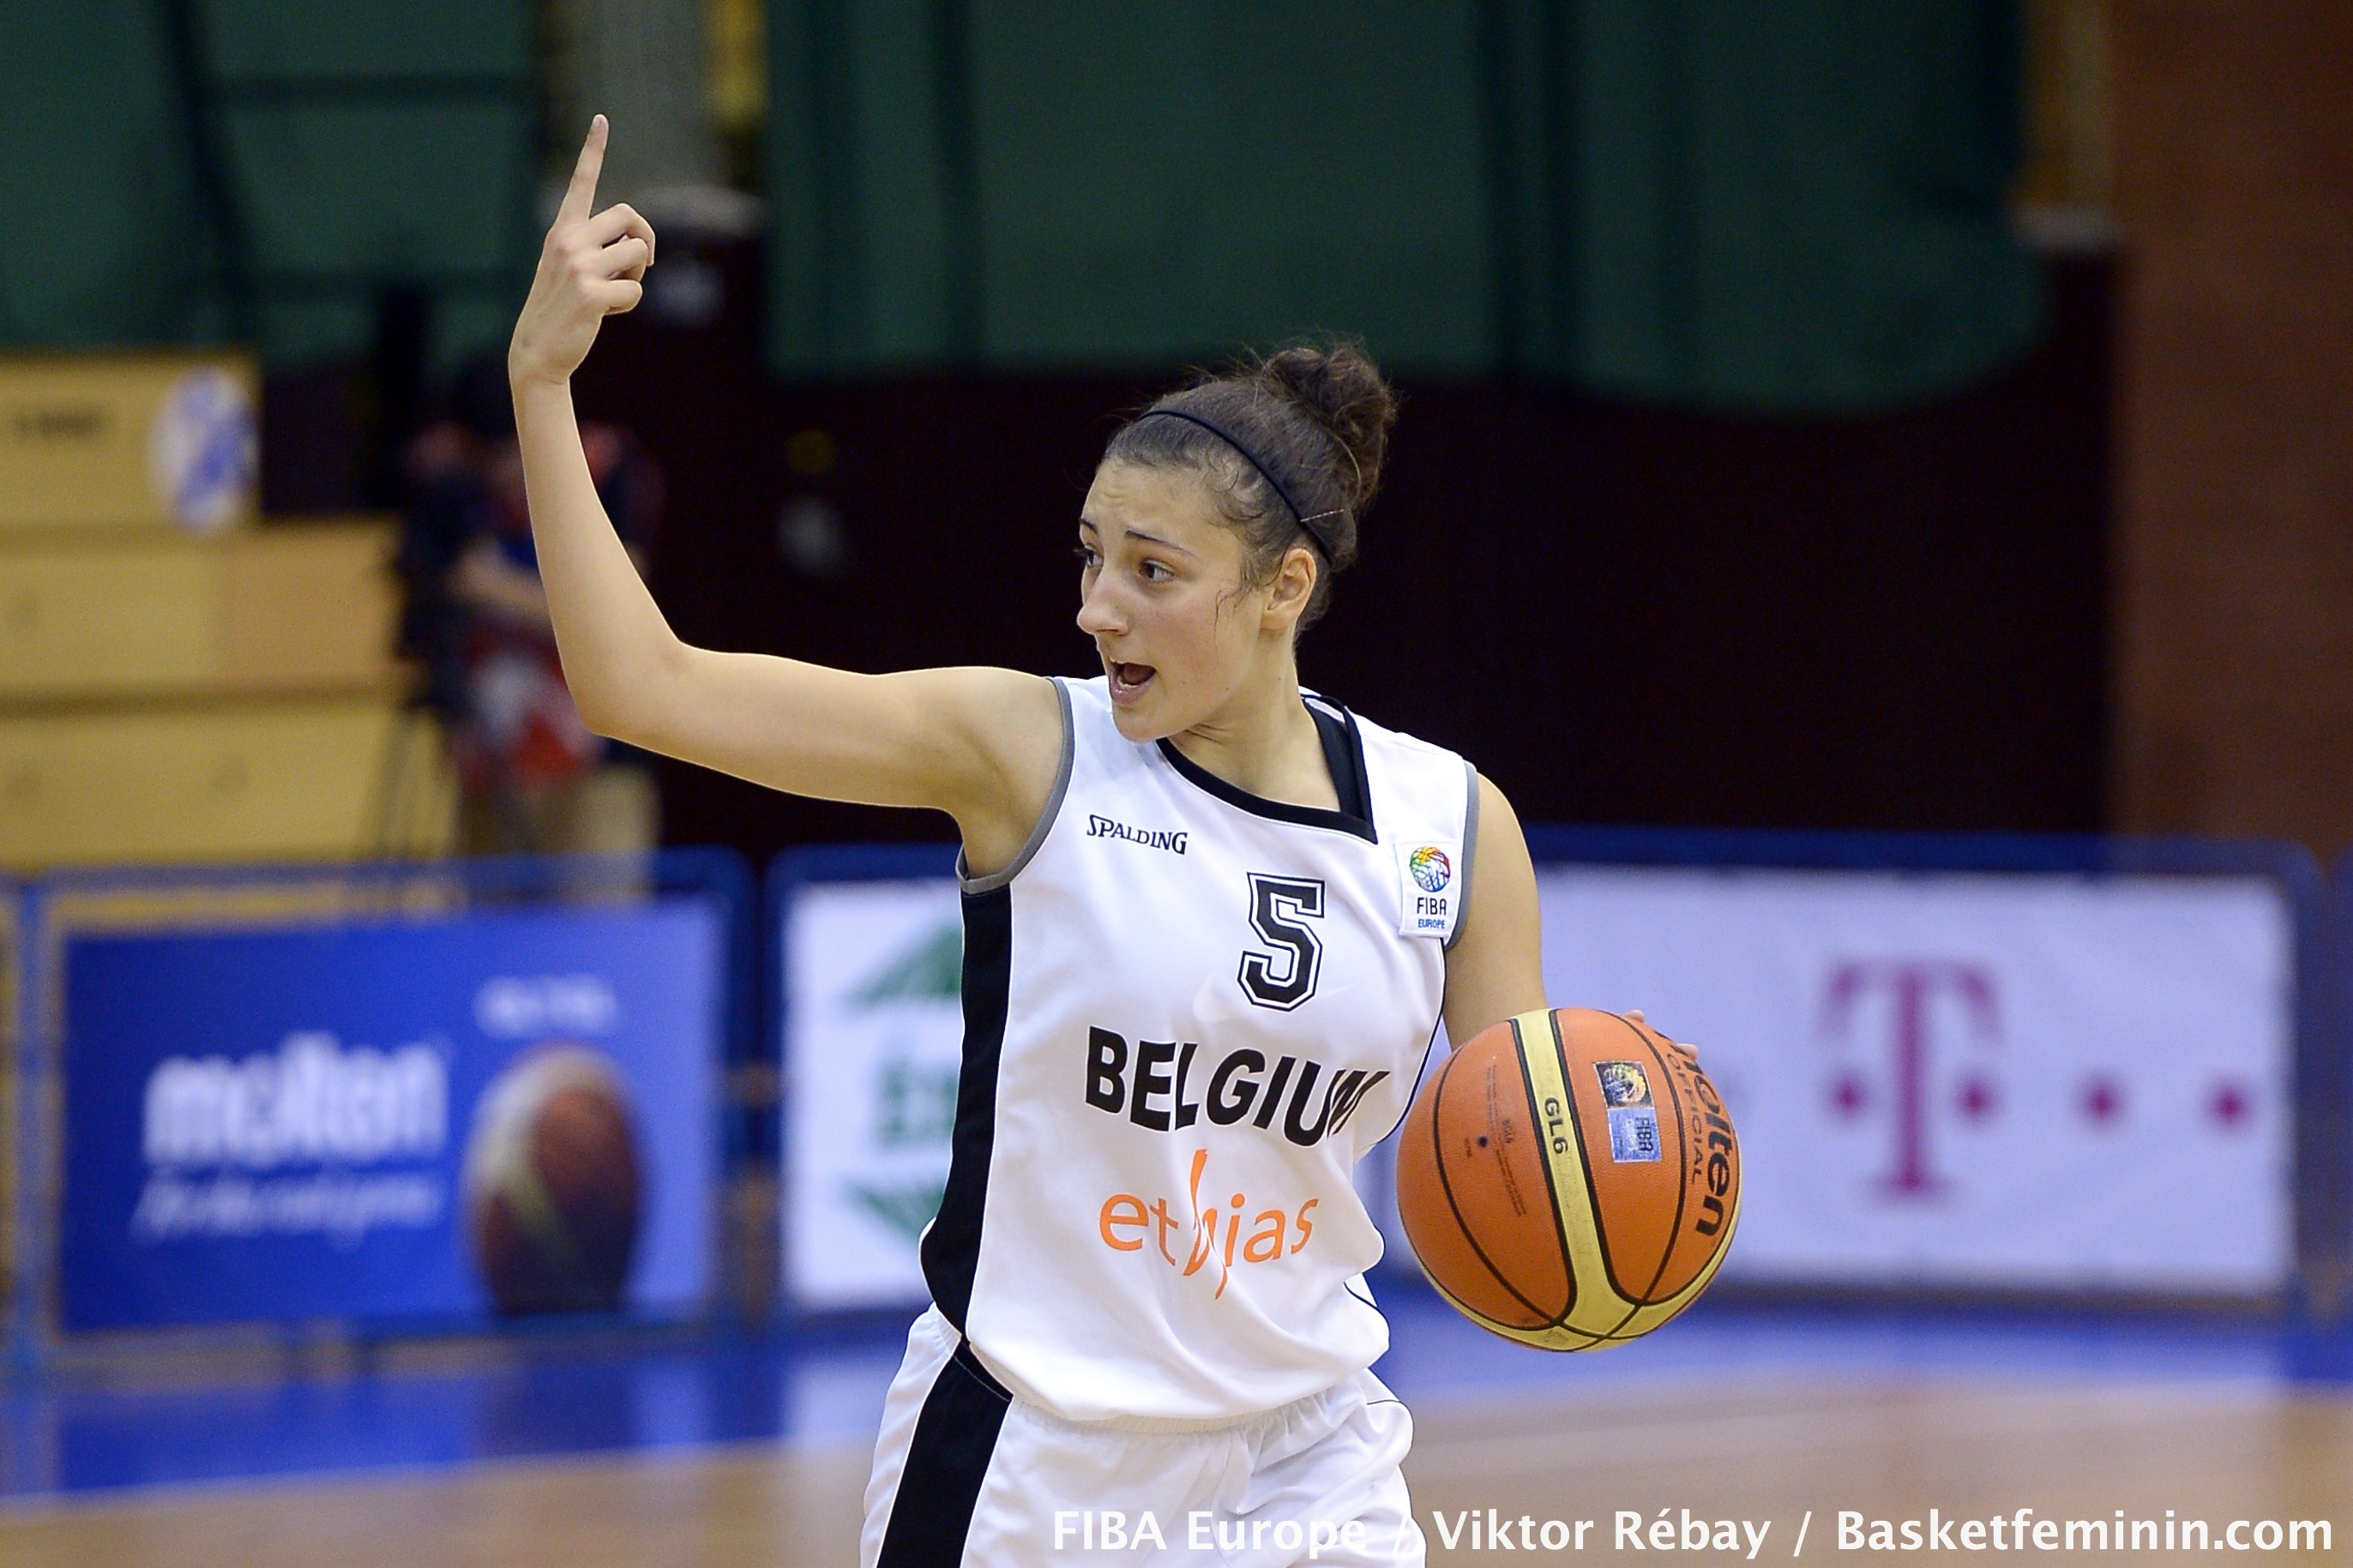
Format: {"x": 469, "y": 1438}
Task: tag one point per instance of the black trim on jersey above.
{"x": 1470, "y": 850}
{"x": 1344, "y": 755}
{"x": 951, "y": 1247}
{"x": 947, "y": 1459}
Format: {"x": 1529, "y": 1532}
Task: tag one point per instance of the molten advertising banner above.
{"x": 508, "y": 1112}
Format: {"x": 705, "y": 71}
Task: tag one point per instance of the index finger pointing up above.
{"x": 580, "y": 196}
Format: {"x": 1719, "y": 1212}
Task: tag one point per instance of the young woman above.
{"x": 1210, "y": 927}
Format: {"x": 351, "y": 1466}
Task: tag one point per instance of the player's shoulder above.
{"x": 1395, "y": 741}
{"x": 996, "y": 706}
{"x": 1093, "y": 723}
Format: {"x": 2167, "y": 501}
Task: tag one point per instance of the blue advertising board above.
{"x": 502, "y": 1112}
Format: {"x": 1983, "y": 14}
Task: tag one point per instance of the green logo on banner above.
{"x": 930, "y": 969}
{"x": 905, "y": 1206}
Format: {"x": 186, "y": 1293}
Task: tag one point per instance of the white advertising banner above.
{"x": 1997, "y": 1080}
{"x": 873, "y": 1035}
{"x": 2029, "y": 1081}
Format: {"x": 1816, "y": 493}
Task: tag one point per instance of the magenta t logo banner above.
{"x": 2015, "y": 1081}
{"x": 1910, "y": 1090}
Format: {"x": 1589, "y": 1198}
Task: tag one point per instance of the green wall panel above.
{"x": 356, "y": 148}
{"x": 317, "y": 37}
{"x": 1121, "y": 185}
{"x": 1807, "y": 213}
{"x": 1158, "y": 180}
{"x": 1795, "y": 207}
{"x": 97, "y": 178}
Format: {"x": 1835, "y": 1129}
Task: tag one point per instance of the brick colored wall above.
{"x": 2233, "y": 552}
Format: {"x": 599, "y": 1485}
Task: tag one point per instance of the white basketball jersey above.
{"x": 1187, "y": 1011}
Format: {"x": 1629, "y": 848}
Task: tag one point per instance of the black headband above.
{"x": 1306, "y": 522}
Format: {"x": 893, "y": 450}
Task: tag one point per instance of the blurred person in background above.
{"x": 533, "y": 778}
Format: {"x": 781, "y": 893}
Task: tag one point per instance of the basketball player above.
{"x": 1210, "y": 927}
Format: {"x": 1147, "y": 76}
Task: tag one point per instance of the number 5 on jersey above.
{"x": 1286, "y": 977}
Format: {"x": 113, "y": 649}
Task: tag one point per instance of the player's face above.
{"x": 1162, "y": 595}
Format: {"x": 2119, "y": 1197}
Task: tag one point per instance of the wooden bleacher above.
{"x": 183, "y": 687}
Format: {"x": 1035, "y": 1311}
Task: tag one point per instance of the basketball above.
{"x": 1569, "y": 1179}
{"x": 553, "y": 1184}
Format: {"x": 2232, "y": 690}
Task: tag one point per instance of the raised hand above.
{"x": 590, "y": 267}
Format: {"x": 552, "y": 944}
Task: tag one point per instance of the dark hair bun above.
{"x": 1340, "y": 389}
{"x": 1286, "y": 444}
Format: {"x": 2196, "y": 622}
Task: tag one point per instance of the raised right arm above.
{"x": 981, "y": 745}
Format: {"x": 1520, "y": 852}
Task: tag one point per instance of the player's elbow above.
{"x": 605, "y": 717}
{"x": 612, "y": 705}
{"x": 621, "y": 699}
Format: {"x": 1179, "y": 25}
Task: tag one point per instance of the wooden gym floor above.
{"x": 1753, "y": 1447}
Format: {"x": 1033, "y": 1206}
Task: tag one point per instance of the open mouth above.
{"x": 1127, "y": 679}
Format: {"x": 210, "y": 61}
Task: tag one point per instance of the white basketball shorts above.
{"x": 966, "y": 1475}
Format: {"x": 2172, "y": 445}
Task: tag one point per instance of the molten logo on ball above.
{"x": 553, "y": 1191}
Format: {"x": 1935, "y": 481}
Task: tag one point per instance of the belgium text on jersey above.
{"x": 1163, "y": 1067}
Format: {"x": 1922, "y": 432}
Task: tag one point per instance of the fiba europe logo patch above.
{"x": 1431, "y": 870}
{"x": 202, "y": 451}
